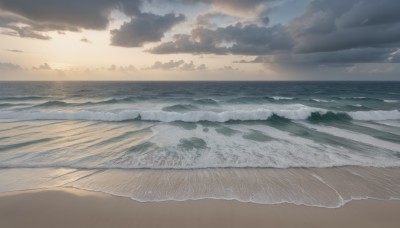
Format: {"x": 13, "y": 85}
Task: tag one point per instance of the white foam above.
{"x": 282, "y": 151}
{"x": 391, "y": 123}
{"x": 282, "y": 98}
{"x": 322, "y": 101}
{"x": 163, "y": 116}
{"x": 391, "y": 101}
{"x": 300, "y": 113}
{"x": 355, "y": 136}
{"x": 375, "y": 115}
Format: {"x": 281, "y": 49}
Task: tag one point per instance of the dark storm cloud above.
{"x": 89, "y": 14}
{"x": 234, "y": 39}
{"x": 326, "y": 33}
{"x": 335, "y": 58}
{"x": 32, "y": 18}
{"x": 185, "y": 44}
{"x": 28, "y": 29}
{"x": 337, "y": 25}
{"x": 41, "y": 16}
{"x": 26, "y": 32}
{"x": 145, "y": 27}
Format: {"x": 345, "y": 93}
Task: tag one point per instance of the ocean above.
{"x": 312, "y": 143}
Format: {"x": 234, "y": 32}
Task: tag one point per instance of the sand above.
{"x": 67, "y": 207}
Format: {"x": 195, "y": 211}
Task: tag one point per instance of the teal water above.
{"x": 105, "y": 133}
{"x": 187, "y": 125}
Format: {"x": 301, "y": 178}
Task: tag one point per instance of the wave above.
{"x": 355, "y": 107}
{"x": 329, "y": 116}
{"x": 57, "y": 103}
{"x": 322, "y": 101}
{"x": 361, "y": 98}
{"x": 375, "y": 115}
{"x": 260, "y": 99}
{"x": 6, "y": 105}
{"x": 3, "y": 105}
{"x": 206, "y": 101}
{"x": 283, "y": 98}
{"x": 53, "y": 103}
{"x": 180, "y": 108}
{"x": 117, "y": 100}
{"x": 313, "y": 114}
{"x": 23, "y": 98}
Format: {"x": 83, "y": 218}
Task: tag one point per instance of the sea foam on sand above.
{"x": 327, "y": 187}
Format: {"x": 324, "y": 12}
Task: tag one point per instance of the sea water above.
{"x": 247, "y": 141}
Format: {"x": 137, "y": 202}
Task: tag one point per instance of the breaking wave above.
{"x": 312, "y": 114}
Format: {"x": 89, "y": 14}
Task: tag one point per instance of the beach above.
{"x": 67, "y": 207}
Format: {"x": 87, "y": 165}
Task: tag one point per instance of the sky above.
{"x": 199, "y": 40}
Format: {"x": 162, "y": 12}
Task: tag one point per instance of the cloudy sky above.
{"x": 199, "y": 40}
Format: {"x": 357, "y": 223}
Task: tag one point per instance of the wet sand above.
{"x": 67, "y": 207}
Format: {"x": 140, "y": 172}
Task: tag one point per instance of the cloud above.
{"x": 176, "y": 65}
{"x": 9, "y": 66}
{"x": 22, "y": 30}
{"x": 88, "y": 14}
{"x": 324, "y": 26}
{"x": 168, "y": 65}
{"x": 32, "y": 19}
{"x": 40, "y": 16}
{"x": 228, "y": 68}
{"x": 327, "y": 33}
{"x": 127, "y": 69}
{"x": 339, "y": 25}
{"x": 122, "y": 69}
{"x": 258, "y": 59}
{"x": 85, "y": 40}
{"x": 239, "y": 6}
{"x": 234, "y": 39}
{"x": 265, "y": 19}
{"x": 144, "y": 28}
{"x": 35, "y": 18}
{"x": 44, "y": 66}
{"x": 342, "y": 58}
{"x": 14, "y": 50}
{"x": 202, "y": 67}
{"x": 206, "y": 19}
{"x": 113, "y": 67}
{"x": 382, "y": 70}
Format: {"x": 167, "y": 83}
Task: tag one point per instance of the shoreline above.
{"x": 69, "y": 207}
{"x": 325, "y": 188}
